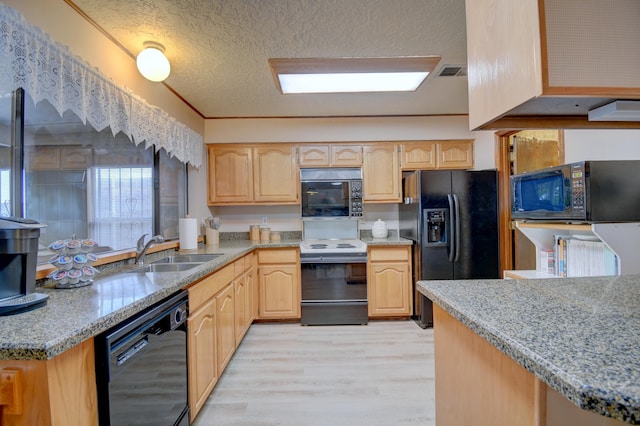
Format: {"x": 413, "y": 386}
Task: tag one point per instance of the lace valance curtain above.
{"x": 48, "y": 70}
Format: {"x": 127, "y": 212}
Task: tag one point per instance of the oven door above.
{"x": 334, "y": 290}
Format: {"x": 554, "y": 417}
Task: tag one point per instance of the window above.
{"x": 5, "y": 189}
{"x": 121, "y": 207}
{"x": 87, "y": 184}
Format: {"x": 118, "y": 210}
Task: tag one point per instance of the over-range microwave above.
{"x": 586, "y": 191}
{"x": 331, "y": 193}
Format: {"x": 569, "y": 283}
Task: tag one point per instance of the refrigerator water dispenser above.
{"x": 435, "y": 226}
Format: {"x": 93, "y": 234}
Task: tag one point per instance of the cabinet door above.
{"x": 276, "y": 174}
{"x": 75, "y": 158}
{"x": 202, "y": 355}
{"x": 389, "y": 282}
{"x": 346, "y": 155}
{"x": 381, "y": 173}
{"x": 313, "y": 156}
{"x": 279, "y": 291}
{"x": 240, "y": 301}
{"x": 455, "y": 155}
{"x": 225, "y": 327}
{"x": 230, "y": 175}
{"x": 418, "y": 155}
{"x": 43, "y": 158}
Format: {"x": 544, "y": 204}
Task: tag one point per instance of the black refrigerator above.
{"x": 452, "y": 217}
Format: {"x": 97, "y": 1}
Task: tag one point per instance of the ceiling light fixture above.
{"x": 351, "y": 75}
{"x": 152, "y": 63}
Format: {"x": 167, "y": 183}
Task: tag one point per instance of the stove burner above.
{"x": 345, "y": 245}
{"x": 319, "y": 246}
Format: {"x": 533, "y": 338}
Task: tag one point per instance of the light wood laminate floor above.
{"x": 288, "y": 374}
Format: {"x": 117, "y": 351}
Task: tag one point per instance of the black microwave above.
{"x": 331, "y": 193}
{"x": 586, "y": 191}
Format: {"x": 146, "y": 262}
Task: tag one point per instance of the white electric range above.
{"x": 333, "y": 273}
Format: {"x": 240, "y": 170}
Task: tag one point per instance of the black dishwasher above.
{"x": 141, "y": 367}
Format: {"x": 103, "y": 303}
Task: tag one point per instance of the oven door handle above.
{"x": 332, "y": 259}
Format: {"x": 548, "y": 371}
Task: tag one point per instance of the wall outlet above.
{"x": 264, "y": 220}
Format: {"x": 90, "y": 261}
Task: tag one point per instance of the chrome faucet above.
{"x": 141, "y": 247}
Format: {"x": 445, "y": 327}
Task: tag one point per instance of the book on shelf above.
{"x": 580, "y": 257}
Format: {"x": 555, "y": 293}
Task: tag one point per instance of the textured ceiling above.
{"x": 219, "y": 49}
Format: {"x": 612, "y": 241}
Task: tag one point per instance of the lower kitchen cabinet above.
{"x": 202, "y": 350}
{"x": 279, "y": 283}
{"x": 203, "y": 341}
{"x": 225, "y": 326}
{"x": 57, "y": 392}
{"x": 220, "y": 315}
{"x": 389, "y": 281}
{"x": 241, "y": 311}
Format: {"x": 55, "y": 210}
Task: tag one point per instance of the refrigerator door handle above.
{"x": 456, "y": 204}
{"x": 452, "y": 229}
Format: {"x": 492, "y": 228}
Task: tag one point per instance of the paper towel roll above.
{"x": 188, "y": 229}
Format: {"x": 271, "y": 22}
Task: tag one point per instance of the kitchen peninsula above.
{"x": 530, "y": 352}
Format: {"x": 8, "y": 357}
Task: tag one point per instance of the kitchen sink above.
{"x": 165, "y": 267}
{"x": 188, "y": 258}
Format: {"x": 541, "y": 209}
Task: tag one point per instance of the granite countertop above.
{"x": 579, "y": 335}
{"x": 74, "y": 315}
{"x": 391, "y": 240}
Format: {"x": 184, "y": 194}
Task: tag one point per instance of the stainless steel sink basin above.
{"x": 188, "y": 258}
{"x": 165, "y": 267}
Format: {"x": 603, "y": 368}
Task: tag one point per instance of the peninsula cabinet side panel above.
{"x": 477, "y": 385}
{"x": 56, "y": 392}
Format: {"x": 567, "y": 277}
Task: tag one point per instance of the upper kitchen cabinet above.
{"x": 330, "y": 155}
{"x": 257, "y": 174}
{"x": 425, "y": 155}
{"x": 381, "y": 173}
{"x": 546, "y": 63}
{"x": 230, "y": 174}
{"x": 52, "y": 158}
{"x": 275, "y": 172}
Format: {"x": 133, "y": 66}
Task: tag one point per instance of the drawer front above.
{"x": 238, "y": 266}
{"x": 386, "y": 254}
{"x": 287, "y": 255}
{"x": 208, "y": 287}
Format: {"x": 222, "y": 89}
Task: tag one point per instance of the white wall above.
{"x": 353, "y": 129}
{"x": 617, "y": 144}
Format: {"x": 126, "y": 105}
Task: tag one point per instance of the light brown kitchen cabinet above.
{"x": 225, "y": 326}
{"x": 253, "y": 287}
{"x": 241, "y": 294}
{"x": 230, "y": 174}
{"x": 539, "y": 63}
{"x": 276, "y": 177}
{"x": 75, "y": 158}
{"x": 314, "y": 156}
{"x": 455, "y": 154}
{"x": 42, "y": 158}
{"x": 330, "y": 155}
{"x": 202, "y": 355}
{"x": 419, "y": 155}
{"x": 57, "y": 392}
{"x": 279, "y": 283}
{"x": 203, "y": 336}
{"x": 248, "y": 174}
{"x": 431, "y": 155}
{"x": 346, "y": 155}
{"x": 381, "y": 173}
{"x": 389, "y": 286}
